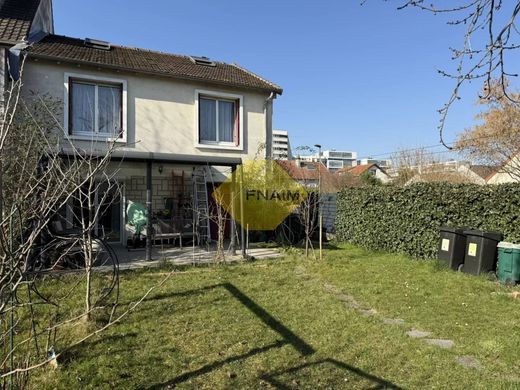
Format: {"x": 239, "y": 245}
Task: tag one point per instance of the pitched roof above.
{"x": 456, "y": 177}
{"x": 16, "y": 17}
{"x": 67, "y": 49}
{"x": 359, "y": 169}
{"x": 483, "y": 170}
{"x": 306, "y": 171}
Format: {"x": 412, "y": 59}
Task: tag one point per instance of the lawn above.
{"x": 292, "y": 323}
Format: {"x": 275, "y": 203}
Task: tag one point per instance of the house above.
{"x": 315, "y": 176}
{"x": 172, "y": 116}
{"x": 371, "y": 169}
{"x": 461, "y": 172}
{"x": 509, "y": 172}
{"x": 21, "y": 22}
{"x": 484, "y": 171}
{"x": 309, "y": 174}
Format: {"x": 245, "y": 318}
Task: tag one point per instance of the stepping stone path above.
{"x": 351, "y": 303}
{"x": 368, "y": 312}
{"x": 393, "y": 321}
{"x": 468, "y": 361}
{"x": 348, "y": 300}
{"x": 417, "y": 334}
{"x": 331, "y": 288}
{"x": 446, "y": 344}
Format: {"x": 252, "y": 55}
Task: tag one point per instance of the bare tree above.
{"x": 96, "y": 190}
{"x": 38, "y": 182}
{"x": 491, "y": 35}
{"x": 310, "y": 177}
{"x": 218, "y": 214}
{"x": 406, "y": 163}
{"x": 308, "y": 215}
{"x": 495, "y": 141}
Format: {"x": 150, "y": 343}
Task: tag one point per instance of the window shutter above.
{"x": 121, "y": 130}
{"x": 70, "y": 107}
{"x": 237, "y": 125}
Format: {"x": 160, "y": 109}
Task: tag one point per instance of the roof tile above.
{"x": 358, "y": 169}
{"x": 147, "y": 61}
{"x": 16, "y": 18}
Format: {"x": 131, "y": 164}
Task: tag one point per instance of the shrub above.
{"x": 407, "y": 220}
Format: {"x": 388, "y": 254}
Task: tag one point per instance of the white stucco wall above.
{"x": 161, "y": 113}
{"x": 379, "y": 174}
{"x": 502, "y": 178}
{"x": 508, "y": 174}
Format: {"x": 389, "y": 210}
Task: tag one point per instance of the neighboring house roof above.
{"x": 501, "y": 169}
{"x": 483, "y": 170}
{"x": 307, "y": 171}
{"x": 303, "y": 170}
{"x": 460, "y": 176}
{"x": 347, "y": 179}
{"x": 16, "y": 17}
{"x": 506, "y": 173}
{"x": 491, "y": 175}
{"x": 360, "y": 169}
{"x": 67, "y": 49}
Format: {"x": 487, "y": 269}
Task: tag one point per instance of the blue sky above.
{"x": 360, "y": 78}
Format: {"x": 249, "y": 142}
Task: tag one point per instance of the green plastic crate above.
{"x": 508, "y": 262}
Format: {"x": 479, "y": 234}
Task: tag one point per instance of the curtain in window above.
{"x": 207, "y": 119}
{"x": 83, "y": 96}
{"x": 109, "y": 110}
{"x": 226, "y": 121}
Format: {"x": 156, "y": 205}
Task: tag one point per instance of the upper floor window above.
{"x": 219, "y": 120}
{"x": 96, "y": 107}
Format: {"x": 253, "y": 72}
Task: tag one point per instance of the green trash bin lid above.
{"x": 508, "y": 245}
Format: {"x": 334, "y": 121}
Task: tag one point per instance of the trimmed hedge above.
{"x": 407, "y": 219}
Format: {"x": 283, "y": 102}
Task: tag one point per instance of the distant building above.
{"x": 281, "y": 149}
{"x": 382, "y": 163}
{"x": 334, "y": 160}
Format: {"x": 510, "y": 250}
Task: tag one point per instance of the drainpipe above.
{"x": 148, "y": 253}
{"x": 268, "y": 112}
{"x": 233, "y": 244}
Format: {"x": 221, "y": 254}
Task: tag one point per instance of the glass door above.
{"x": 108, "y": 200}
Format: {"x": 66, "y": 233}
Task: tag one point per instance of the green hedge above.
{"x": 407, "y": 219}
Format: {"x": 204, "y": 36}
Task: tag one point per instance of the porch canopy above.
{"x": 132, "y": 155}
{"x": 149, "y": 158}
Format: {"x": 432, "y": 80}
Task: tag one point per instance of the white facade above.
{"x": 334, "y": 160}
{"x": 160, "y": 115}
{"x": 281, "y": 148}
{"x": 378, "y": 173}
{"x": 508, "y": 173}
{"x": 159, "y": 121}
{"x": 383, "y": 163}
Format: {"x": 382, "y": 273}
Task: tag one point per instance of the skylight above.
{"x": 97, "y": 44}
{"x": 205, "y": 61}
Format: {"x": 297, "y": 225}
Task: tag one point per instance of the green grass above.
{"x": 273, "y": 324}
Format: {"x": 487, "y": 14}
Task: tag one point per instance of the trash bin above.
{"x": 481, "y": 251}
{"x": 452, "y": 246}
{"x": 508, "y": 262}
